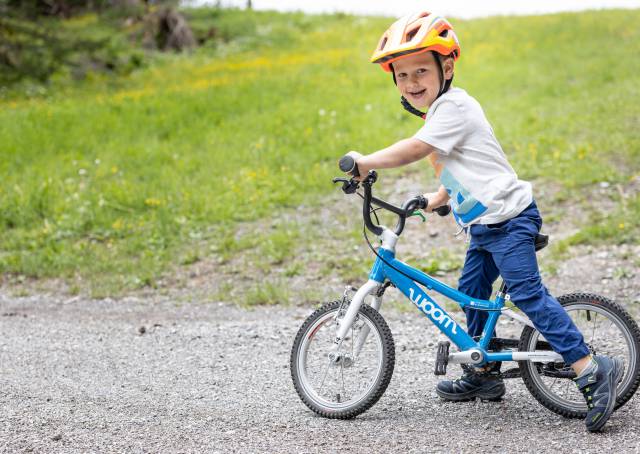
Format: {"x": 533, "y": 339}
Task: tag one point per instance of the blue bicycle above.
{"x": 343, "y": 355}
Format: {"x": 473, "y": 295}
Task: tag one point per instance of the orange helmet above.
{"x": 413, "y": 34}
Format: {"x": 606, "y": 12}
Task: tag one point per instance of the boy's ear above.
{"x": 447, "y": 68}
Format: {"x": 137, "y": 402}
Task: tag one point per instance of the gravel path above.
{"x": 169, "y": 373}
{"x": 141, "y": 375}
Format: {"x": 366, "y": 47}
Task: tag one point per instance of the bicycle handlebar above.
{"x": 407, "y": 209}
{"x": 443, "y": 210}
{"x": 348, "y": 165}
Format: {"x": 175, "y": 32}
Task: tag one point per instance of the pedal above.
{"x": 442, "y": 358}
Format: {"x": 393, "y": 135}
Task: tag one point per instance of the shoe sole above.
{"x": 493, "y": 395}
{"x": 614, "y": 376}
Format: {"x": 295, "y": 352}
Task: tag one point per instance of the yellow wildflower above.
{"x": 153, "y": 202}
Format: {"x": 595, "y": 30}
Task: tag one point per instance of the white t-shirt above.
{"x": 482, "y": 185}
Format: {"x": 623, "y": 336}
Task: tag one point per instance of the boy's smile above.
{"x": 418, "y": 77}
{"x": 416, "y": 96}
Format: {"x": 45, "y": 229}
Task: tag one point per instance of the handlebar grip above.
{"x": 348, "y": 165}
{"x": 443, "y": 210}
{"x": 422, "y": 202}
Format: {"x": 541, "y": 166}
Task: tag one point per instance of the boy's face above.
{"x": 418, "y": 77}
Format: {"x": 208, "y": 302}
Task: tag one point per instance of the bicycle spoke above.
{"x": 594, "y": 327}
{"x": 344, "y": 391}
{"x": 324, "y": 377}
{"x": 609, "y": 330}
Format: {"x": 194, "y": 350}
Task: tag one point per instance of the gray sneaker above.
{"x": 600, "y": 390}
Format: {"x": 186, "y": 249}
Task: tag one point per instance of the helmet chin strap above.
{"x": 409, "y": 108}
{"x": 444, "y": 84}
{"x": 444, "y": 87}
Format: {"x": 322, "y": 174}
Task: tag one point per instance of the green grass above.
{"x": 110, "y": 182}
{"x": 619, "y": 227}
{"x": 267, "y": 293}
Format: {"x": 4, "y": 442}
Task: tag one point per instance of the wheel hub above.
{"x": 340, "y": 359}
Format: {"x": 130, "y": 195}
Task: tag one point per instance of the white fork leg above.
{"x": 352, "y": 311}
{"x": 364, "y": 332}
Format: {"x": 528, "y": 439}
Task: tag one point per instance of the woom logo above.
{"x": 428, "y": 308}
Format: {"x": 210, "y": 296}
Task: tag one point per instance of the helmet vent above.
{"x": 411, "y": 34}
{"x": 444, "y": 33}
{"x": 383, "y": 43}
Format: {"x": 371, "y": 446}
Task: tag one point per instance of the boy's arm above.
{"x": 399, "y": 154}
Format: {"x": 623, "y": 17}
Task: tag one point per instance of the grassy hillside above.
{"x": 110, "y": 182}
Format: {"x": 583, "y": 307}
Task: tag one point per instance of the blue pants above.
{"x": 507, "y": 249}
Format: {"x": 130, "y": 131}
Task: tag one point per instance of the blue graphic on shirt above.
{"x": 465, "y": 207}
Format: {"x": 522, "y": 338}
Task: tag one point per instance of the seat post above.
{"x": 503, "y": 289}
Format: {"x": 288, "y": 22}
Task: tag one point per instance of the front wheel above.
{"x": 608, "y": 330}
{"x": 344, "y": 383}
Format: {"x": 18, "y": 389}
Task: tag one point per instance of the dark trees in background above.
{"x": 63, "y": 8}
{"x": 27, "y": 50}
{"x": 31, "y": 47}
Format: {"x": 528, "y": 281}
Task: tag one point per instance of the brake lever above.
{"x": 418, "y": 213}
{"x": 348, "y": 186}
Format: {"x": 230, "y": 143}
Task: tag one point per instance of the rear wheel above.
{"x": 608, "y": 330}
{"x": 342, "y": 384}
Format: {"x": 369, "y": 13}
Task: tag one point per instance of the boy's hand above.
{"x": 436, "y": 199}
{"x": 356, "y": 156}
{"x": 433, "y": 201}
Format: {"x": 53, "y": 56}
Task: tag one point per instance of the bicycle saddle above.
{"x": 541, "y": 241}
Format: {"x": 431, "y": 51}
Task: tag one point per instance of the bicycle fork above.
{"x": 349, "y": 318}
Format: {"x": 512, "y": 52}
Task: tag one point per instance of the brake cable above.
{"x": 366, "y": 237}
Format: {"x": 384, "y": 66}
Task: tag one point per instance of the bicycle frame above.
{"x": 406, "y": 279}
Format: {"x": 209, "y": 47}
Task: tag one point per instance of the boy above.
{"x": 488, "y": 200}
